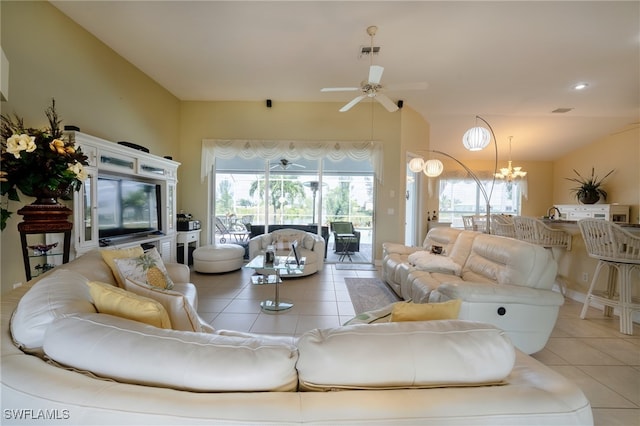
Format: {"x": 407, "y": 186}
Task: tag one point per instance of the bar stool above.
{"x": 503, "y": 226}
{"x": 467, "y": 221}
{"x": 620, "y": 251}
{"x": 535, "y": 231}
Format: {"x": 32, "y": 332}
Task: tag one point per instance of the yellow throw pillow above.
{"x": 110, "y": 256}
{"x": 408, "y": 311}
{"x": 109, "y": 299}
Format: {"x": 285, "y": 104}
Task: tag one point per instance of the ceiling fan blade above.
{"x": 354, "y": 101}
{"x": 408, "y": 86}
{"x": 375, "y": 74}
{"x": 386, "y": 102}
{"x": 340, "y": 89}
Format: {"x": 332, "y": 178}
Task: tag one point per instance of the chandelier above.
{"x": 510, "y": 173}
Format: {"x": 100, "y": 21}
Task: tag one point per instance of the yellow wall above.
{"x": 94, "y": 88}
{"x": 619, "y": 151}
{"x": 415, "y": 140}
{"x": 291, "y": 121}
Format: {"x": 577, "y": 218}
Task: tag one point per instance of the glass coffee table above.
{"x": 271, "y": 274}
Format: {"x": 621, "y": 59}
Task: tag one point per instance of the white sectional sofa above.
{"x": 501, "y": 281}
{"x": 65, "y": 363}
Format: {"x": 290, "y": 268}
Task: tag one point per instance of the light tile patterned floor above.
{"x": 591, "y": 352}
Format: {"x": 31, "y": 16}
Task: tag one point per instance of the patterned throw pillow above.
{"x": 110, "y": 255}
{"x": 147, "y": 268}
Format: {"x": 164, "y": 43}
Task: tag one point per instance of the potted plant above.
{"x": 590, "y": 189}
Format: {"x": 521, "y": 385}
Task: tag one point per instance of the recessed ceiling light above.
{"x": 580, "y": 86}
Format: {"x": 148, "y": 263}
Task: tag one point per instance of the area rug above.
{"x": 355, "y": 267}
{"x": 369, "y": 293}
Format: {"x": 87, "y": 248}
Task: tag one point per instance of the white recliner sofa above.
{"x": 501, "y": 281}
{"x": 65, "y": 363}
{"x": 310, "y": 246}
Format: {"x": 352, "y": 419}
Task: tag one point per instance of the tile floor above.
{"x": 592, "y": 353}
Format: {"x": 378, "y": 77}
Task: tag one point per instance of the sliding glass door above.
{"x": 296, "y": 192}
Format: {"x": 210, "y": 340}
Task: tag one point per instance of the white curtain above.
{"x": 291, "y": 150}
{"x": 486, "y": 177}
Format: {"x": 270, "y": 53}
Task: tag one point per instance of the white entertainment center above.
{"x": 112, "y": 160}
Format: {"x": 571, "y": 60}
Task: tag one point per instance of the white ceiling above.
{"x": 510, "y": 62}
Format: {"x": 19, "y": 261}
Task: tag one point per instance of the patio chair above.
{"x": 346, "y": 238}
{"x": 235, "y": 229}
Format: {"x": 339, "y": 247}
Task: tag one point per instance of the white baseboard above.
{"x": 581, "y": 297}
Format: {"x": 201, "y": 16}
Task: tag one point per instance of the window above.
{"x": 306, "y": 192}
{"x": 460, "y": 196}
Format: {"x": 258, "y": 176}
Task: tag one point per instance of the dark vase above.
{"x": 590, "y": 197}
{"x": 48, "y": 197}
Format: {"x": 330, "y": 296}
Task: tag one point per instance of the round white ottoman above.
{"x": 218, "y": 258}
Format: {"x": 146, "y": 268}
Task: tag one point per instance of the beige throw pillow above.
{"x": 182, "y": 315}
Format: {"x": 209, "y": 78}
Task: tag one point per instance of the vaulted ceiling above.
{"x": 513, "y": 63}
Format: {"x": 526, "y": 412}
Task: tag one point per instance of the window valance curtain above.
{"x": 291, "y": 150}
{"x": 485, "y": 176}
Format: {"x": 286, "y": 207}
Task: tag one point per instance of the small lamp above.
{"x": 416, "y": 164}
{"x": 433, "y": 168}
{"x": 476, "y": 138}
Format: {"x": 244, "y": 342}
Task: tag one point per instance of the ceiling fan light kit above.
{"x": 371, "y": 88}
{"x": 284, "y": 164}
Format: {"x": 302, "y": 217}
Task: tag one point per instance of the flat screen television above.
{"x": 127, "y": 207}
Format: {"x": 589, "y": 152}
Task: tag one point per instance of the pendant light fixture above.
{"x": 510, "y": 173}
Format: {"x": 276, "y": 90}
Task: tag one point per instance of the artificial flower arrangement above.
{"x": 38, "y": 162}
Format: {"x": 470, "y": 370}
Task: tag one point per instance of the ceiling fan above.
{"x": 284, "y": 164}
{"x": 371, "y": 88}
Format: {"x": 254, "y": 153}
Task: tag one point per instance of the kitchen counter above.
{"x": 633, "y": 226}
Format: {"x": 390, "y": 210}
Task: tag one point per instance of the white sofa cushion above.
{"x": 425, "y": 354}
{"x": 59, "y": 294}
{"x": 132, "y": 352}
{"x": 426, "y": 261}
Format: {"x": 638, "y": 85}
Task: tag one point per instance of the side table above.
{"x": 44, "y": 219}
{"x": 348, "y": 241}
{"x": 185, "y": 238}
{"x": 282, "y": 266}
